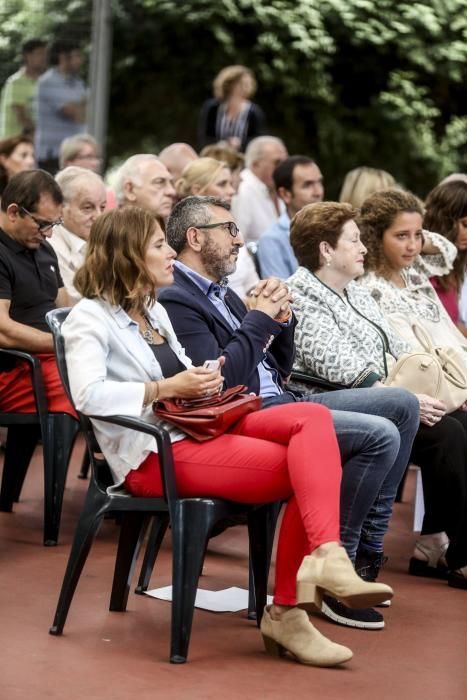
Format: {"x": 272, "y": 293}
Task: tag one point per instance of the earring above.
{"x": 328, "y": 262}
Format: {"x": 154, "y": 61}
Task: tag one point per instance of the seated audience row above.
{"x": 256, "y": 344}
{"x": 135, "y": 358}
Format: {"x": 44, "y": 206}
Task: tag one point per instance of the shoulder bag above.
{"x": 205, "y": 419}
{"x": 439, "y": 372}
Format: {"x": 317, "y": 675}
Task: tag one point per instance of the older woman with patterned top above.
{"x": 342, "y": 336}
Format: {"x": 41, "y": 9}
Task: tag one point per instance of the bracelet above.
{"x": 148, "y": 397}
{"x": 284, "y": 316}
{"x": 157, "y": 392}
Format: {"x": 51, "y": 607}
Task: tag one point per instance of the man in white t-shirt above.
{"x": 85, "y": 198}
{"x": 257, "y": 205}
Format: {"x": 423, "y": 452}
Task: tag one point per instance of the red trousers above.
{"x": 16, "y": 395}
{"x": 287, "y": 452}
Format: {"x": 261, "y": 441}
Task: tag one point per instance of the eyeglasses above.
{"x": 42, "y": 225}
{"x": 230, "y": 225}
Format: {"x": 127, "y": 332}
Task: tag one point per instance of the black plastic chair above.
{"x": 57, "y": 431}
{"x": 191, "y": 521}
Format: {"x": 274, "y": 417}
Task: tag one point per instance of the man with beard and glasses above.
{"x": 374, "y": 427}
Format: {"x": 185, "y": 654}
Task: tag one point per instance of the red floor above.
{"x": 422, "y": 652}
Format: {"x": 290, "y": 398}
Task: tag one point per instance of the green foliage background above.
{"x": 351, "y": 82}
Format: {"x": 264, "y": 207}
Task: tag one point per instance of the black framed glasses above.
{"x": 42, "y": 225}
{"x": 231, "y": 226}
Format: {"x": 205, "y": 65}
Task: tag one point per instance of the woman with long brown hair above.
{"x": 16, "y": 155}
{"x": 446, "y": 213}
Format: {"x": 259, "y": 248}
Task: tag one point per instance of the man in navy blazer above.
{"x": 211, "y": 320}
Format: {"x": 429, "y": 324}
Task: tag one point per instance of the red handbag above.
{"x": 205, "y": 419}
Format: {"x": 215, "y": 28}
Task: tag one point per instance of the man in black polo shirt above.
{"x": 30, "y": 285}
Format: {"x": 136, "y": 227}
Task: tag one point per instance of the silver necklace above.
{"x": 148, "y": 333}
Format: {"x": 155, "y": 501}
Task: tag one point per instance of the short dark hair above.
{"x": 190, "y": 211}
{"x": 283, "y": 174}
{"x": 32, "y": 44}
{"x": 62, "y": 46}
{"x": 321, "y": 221}
{"x": 25, "y": 189}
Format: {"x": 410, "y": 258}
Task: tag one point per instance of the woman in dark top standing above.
{"x": 230, "y": 116}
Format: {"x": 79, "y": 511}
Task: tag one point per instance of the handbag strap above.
{"x": 423, "y": 337}
{"x": 445, "y": 360}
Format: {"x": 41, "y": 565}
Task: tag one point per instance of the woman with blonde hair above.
{"x": 230, "y": 116}
{"x": 207, "y": 176}
{"x": 363, "y": 181}
{"x": 288, "y": 452}
{"x": 234, "y": 159}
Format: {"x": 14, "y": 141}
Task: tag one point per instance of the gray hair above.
{"x": 191, "y": 211}
{"x": 255, "y": 149}
{"x": 69, "y": 180}
{"x": 453, "y": 177}
{"x": 130, "y": 172}
{"x": 70, "y": 147}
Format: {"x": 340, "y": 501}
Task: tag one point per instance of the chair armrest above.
{"x": 164, "y": 447}
{"x": 312, "y": 381}
{"x": 36, "y": 378}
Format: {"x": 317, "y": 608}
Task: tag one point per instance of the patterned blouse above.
{"x": 341, "y": 339}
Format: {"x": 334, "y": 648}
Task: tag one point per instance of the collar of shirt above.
{"x": 207, "y": 286}
{"x": 74, "y": 242}
{"x": 252, "y": 180}
{"x": 12, "y": 244}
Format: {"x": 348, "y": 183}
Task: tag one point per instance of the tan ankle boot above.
{"x": 334, "y": 574}
{"x": 295, "y": 633}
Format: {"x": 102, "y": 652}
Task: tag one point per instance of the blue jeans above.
{"x": 375, "y": 430}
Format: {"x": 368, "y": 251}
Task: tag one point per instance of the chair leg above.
{"x": 400, "y": 488}
{"x": 190, "y": 530}
{"x": 20, "y": 445}
{"x": 86, "y": 531}
{"x": 156, "y": 535}
{"x": 261, "y": 527}
{"x": 132, "y": 531}
{"x": 58, "y": 444}
{"x": 85, "y": 465}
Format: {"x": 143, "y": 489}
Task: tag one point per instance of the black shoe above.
{"x": 369, "y": 563}
{"x": 417, "y": 567}
{"x": 363, "y": 618}
{"x": 457, "y": 580}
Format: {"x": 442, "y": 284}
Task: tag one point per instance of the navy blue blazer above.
{"x": 205, "y": 333}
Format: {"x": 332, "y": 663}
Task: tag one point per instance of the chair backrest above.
{"x": 100, "y": 468}
{"x": 252, "y": 248}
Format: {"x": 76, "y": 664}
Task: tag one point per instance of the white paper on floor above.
{"x": 228, "y": 600}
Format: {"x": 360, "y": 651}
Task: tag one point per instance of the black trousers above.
{"x": 441, "y": 453}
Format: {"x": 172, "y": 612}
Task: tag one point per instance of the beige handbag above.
{"x": 439, "y": 372}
